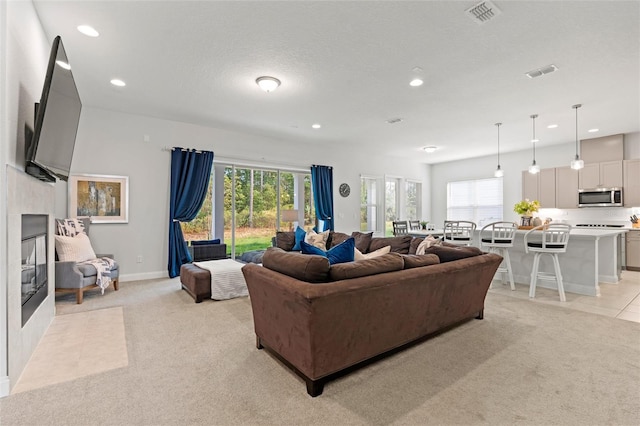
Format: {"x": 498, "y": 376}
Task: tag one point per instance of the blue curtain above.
{"x": 322, "y": 182}
{"x": 190, "y": 173}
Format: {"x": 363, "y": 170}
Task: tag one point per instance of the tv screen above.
{"x": 51, "y": 149}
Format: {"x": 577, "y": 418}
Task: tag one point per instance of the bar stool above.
{"x": 498, "y": 238}
{"x": 459, "y": 232}
{"x": 549, "y": 239}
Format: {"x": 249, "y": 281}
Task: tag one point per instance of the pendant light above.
{"x": 577, "y": 163}
{"x": 499, "y": 172}
{"x": 534, "y": 168}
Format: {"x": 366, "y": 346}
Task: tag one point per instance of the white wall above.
{"x": 513, "y": 163}
{"x": 113, "y": 143}
{"x": 24, "y": 53}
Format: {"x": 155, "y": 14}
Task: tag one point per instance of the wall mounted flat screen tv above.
{"x": 49, "y": 153}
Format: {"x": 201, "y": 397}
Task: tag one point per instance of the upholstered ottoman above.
{"x": 196, "y": 281}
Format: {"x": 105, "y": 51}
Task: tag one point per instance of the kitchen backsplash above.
{"x": 592, "y": 215}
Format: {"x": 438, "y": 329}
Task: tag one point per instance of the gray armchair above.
{"x": 78, "y": 277}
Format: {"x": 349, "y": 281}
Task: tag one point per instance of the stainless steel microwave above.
{"x": 600, "y": 197}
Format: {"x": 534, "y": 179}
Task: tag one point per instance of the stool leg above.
{"x": 507, "y": 261}
{"x": 534, "y": 275}
{"x": 556, "y": 265}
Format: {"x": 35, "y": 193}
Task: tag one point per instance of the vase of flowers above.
{"x": 525, "y": 209}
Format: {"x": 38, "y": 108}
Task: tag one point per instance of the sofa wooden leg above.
{"x": 480, "y": 314}
{"x": 115, "y": 284}
{"x": 314, "y": 387}
{"x": 79, "y": 294}
{"x": 258, "y": 344}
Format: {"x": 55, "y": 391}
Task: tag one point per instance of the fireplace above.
{"x": 33, "y": 282}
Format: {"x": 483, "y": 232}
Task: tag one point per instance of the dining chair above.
{"x": 400, "y": 227}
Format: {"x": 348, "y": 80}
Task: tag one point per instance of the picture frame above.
{"x": 102, "y": 198}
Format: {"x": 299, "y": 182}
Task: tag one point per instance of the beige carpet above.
{"x": 525, "y": 363}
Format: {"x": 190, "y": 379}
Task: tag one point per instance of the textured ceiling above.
{"x": 347, "y": 65}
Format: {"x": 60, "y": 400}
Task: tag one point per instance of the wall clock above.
{"x": 344, "y": 189}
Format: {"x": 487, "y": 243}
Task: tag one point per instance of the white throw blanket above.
{"x": 227, "y": 280}
{"x": 103, "y": 265}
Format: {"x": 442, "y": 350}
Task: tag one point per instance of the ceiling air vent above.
{"x": 483, "y": 12}
{"x": 394, "y": 120}
{"x": 542, "y": 71}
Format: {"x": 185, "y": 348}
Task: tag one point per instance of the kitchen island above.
{"x": 592, "y": 257}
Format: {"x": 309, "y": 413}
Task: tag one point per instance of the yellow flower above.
{"x": 526, "y": 207}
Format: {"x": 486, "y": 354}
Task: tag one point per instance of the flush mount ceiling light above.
{"x": 416, "y": 82}
{"x": 534, "y": 168}
{"x": 552, "y": 126}
{"x": 577, "y": 163}
{"x": 429, "y": 149}
{"x": 593, "y": 130}
{"x": 268, "y": 84}
{"x": 316, "y": 126}
{"x": 541, "y": 71}
{"x": 88, "y": 30}
{"x": 499, "y": 172}
{"x": 118, "y": 82}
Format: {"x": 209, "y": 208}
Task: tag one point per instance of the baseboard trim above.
{"x": 143, "y": 276}
{"x": 5, "y": 386}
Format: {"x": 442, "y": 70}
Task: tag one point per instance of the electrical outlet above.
{"x": 139, "y": 259}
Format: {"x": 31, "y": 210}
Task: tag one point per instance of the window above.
{"x": 392, "y": 204}
{"x": 413, "y": 194}
{"x": 250, "y": 206}
{"x": 369, "y": 204}
{"x": 479, "y": 201}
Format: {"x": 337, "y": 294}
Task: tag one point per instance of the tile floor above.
{"x": 72, "y": 346}
{"x": 621, "y": 300}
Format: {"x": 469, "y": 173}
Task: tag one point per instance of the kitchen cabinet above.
{"x": 541, "y": 187}
{"x": 633, "y": 250}
{"x": 607, "y": 174}
{"x": 631, "y": 183}
{"x": 566, "y": 188}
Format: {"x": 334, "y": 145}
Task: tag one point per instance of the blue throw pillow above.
{"x": 300, "y": 234}
{"x": 342, "y": 253}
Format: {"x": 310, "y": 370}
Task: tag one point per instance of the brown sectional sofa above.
{"x": 321, "y": 319}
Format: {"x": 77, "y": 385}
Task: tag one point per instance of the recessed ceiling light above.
{"x": 63, "y": 64}
{"x": 316, "y": 126}
{"x": 268, "y": 84}
{"x": 593, "y": 130}
{"x": 416, "y": 82}
{"x": 88, "y": 30}
{"x": 117, "y": 82}
{"x": 429, "y": 149}
{"x": 552, "y": 126}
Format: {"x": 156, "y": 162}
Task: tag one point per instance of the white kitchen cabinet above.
{"x": 631, "y": 183}
{"x": 541, "y": 187}
{"x": 566, "y": 188}
{"x": 607, "y": 174}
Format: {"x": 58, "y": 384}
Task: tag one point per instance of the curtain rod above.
{"x": 170, "y": 149}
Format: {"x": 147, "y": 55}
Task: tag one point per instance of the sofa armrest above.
{"x": 68, "y": 275}
{"x": 109, "y": 255}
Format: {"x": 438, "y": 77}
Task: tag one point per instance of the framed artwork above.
{"x": 103, "y": 198}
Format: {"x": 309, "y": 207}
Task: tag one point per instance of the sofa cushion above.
{"x": 336, "y": 238}
{"x": 419, "y": 260}
{"x": 361, "y": 268}
{"x": 343, "y": 252}
{"x": 362, "y": 240}
{"x": 447, "y": 253}
{"x": 373, "y": 254}
{"x": 285, "y": 240}
{"x": 74, "y": 249}
{"x": 304, "y": 267}
{"x": 414, "y": 244}
{"x": 398, "y": 244}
